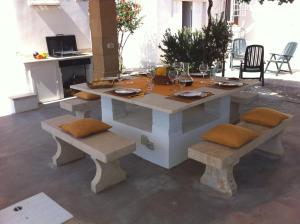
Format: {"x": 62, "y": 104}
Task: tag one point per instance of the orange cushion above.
{"x": 84, "y": 127}
{"x": 229, "y": 135}
{"x": 87, "y": 96}
{"x": 264, "y": 116}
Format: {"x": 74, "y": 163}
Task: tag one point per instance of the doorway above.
{"x": 187, "y": 14}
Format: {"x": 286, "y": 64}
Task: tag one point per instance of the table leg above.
{"x": 65, "y": 153}
{"x": 107, "y": 174}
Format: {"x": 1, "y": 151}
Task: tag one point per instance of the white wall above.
{"x": 23, "y": 31}
{"x": 273, "y": 26}
{"x": 141, "y": 47}
{"x": 34, "y": 23}
{"x": 159, "y": 15}
{"x": 8, "y": 40}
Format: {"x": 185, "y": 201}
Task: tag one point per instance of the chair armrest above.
{"x": 242, "y": 63}
{"x": 275, "y": 54}
{"x": 286, "y": 56}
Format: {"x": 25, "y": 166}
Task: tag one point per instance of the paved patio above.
{"x": 269, "y": 189}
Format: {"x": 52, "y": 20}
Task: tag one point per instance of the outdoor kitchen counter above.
{"x": 164, "y": 128}
{"x": 26, "y": 59}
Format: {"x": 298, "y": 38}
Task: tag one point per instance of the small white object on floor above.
{"x": 38, "y": 209}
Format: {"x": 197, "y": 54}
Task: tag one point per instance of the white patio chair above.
{"x": 283, "y": 58}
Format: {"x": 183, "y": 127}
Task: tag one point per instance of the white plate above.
{"x": 109, "y": 78}
{"x": 229, "y": 84}
{"x": 198, "y": 74}
{"x": 232, "y": 79}
{"x": 192, "y": 94}
{"x": 127, "y": 91}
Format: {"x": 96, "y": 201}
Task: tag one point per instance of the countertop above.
{"x": 27, "y": 59}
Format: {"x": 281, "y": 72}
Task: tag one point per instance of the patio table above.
{"x": 164, "y": 128}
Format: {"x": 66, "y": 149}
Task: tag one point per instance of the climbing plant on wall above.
{"x": 262, "y": 1}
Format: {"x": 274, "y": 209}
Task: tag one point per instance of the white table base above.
{"x": 163, "y": 138}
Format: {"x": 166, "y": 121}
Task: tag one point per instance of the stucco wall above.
{"x": 142, "y": 47}
{"x": 23, "y": 31}
{"x": 34, "y": 23}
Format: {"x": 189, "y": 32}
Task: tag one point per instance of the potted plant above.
{"x": 183, "y": 46}
{"x": 208, "y": 46}
{"x": 217, "y": 37}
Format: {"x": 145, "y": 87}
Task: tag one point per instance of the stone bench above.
{"x": 220, "y": 160}
{"x": 237, "y": 100}
{"x": 105, "y": 149}
{"x": 82, "y": 108}
{"x": 24, "y": 102}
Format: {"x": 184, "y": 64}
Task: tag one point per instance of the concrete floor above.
{"x": 268, "y": 188}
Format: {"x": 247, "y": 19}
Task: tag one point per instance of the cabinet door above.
{"x": 47, "y": 80}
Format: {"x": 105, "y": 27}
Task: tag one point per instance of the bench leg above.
{"x": 234, "y": 112}
{"x": 273, "y": 146}
{"x": 107, "y": 174}
{"x": 82, "y": 114}
{"x": 66, "y": 153}
{"x": 221, "y": 180}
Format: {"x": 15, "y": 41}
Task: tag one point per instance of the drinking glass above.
{"x": 172, "y": 74}
{"x": 213, "y": 70}
{"x": 178, "y": 68}
{"x": 203, "y": 69}
{"x": 150, "y": 76}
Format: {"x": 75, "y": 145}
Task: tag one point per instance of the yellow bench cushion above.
{"x": 87, "y": 96}
{"x": 264, "y": 116}
{"x": 229, "y": 135}
{"x": 84, "y": 127}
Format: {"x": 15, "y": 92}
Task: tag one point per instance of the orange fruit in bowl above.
{"x": 161, "y": 71}
{"x": 45, "y": 55}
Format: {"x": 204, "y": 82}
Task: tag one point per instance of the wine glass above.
{"x": 150, "y": 76}
{"x": 172, "y": 74}
{"x": 213, "y": 70}
{"x": 203, "y": 69}
{"x": 178, "y": 68}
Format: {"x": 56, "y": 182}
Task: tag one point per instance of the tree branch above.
{"x": 210, "y": 5}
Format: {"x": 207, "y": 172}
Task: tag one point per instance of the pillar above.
{"x": 103, "y": 26}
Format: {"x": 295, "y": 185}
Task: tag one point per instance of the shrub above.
{"x": 183, "y": 46}
{"x": 208, "y": 45}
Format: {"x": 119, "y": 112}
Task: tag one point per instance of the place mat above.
{"x": 165, "y": 90}
{"x": 112, "y": 92}
{"x": 216, "y": 86}
{"x": 188, "y": 99}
